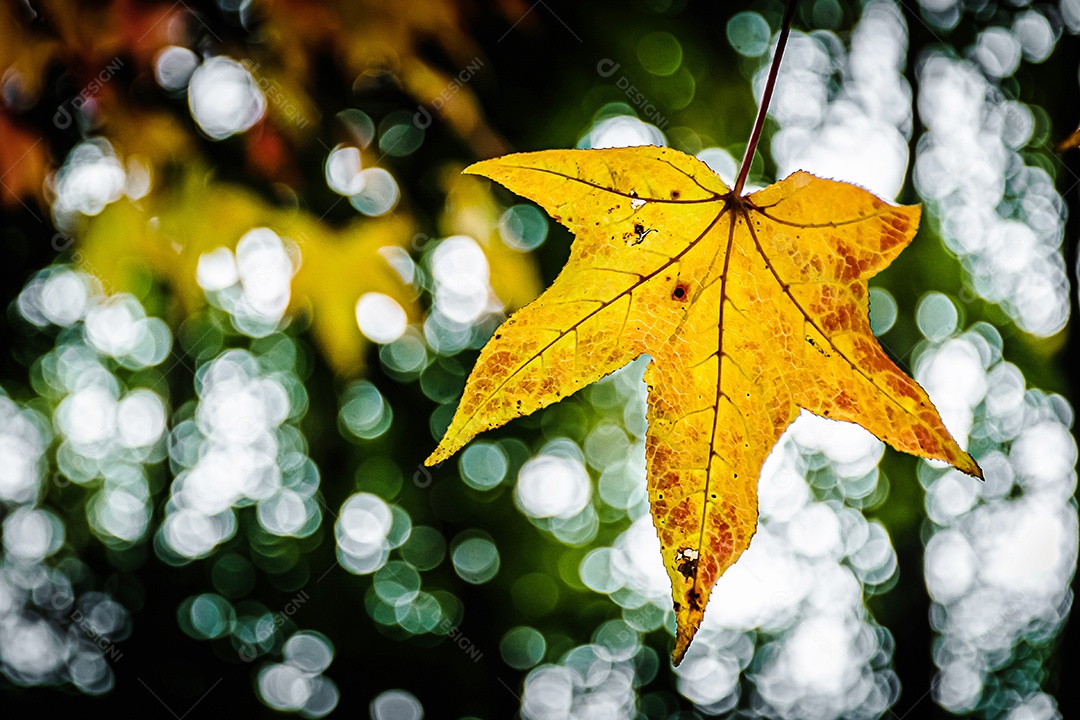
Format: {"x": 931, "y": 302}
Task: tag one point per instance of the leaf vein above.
{"x": 539, "y": 353}
{"x": 668, "y": 201}
{"x": 787, "y": 291}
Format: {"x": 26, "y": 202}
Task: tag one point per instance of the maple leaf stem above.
{"x": 770, "y": 84}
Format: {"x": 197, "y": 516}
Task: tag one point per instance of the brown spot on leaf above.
{"x": 900, "y": 386}
{"x": 695, "y": 599}
{"x": 889, "y": 240}
{"x": 687, "y": 562}
{"x": 668, "y": 480}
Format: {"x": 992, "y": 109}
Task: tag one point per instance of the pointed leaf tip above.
{"x": 436, "y": 457}
{"x": 684, "y": 635}
{"x": 971, "y": 467}
{"x": 482, "y": 168}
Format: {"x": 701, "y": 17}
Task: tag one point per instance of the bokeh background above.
{"x": 244, "y": 280}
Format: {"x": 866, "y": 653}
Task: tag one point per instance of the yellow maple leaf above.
{"x": 750, "y": 309}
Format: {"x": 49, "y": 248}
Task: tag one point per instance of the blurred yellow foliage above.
{"x": 373, "y": 38}
{"x": 168, "y": 234}
{"x": 107, "y": 53}
{"x": 472, "y": 210}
